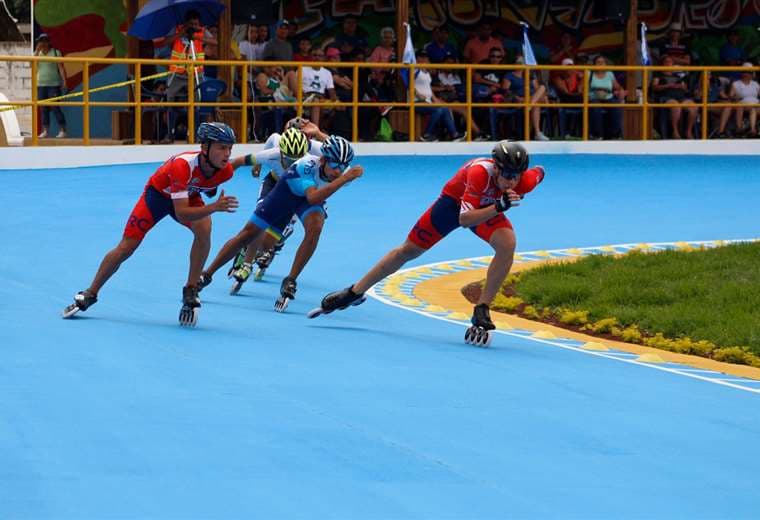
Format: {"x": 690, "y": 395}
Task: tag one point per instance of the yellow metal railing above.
{"x": 355, "y": 104}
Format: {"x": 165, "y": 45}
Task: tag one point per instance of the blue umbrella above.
{"x": 158, "y": 17}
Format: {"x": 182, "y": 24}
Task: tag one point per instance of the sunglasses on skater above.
{"x": 510, "y": 174}
{"x": 288, "y": 160}
{"x": 337, "y": 165}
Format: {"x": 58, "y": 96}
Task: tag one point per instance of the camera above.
{"x": 189, "y": 32}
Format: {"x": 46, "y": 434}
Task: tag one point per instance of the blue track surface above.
{"x": 375, "y": 412}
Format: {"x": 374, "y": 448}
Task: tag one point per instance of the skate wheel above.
{"x": 259, "y": 275}
{"x": 236, "y": 288}
{"x": 485, "y": 339}
{"x": 281, "y": 304}
{"x": 69, "y": 311}
{"x": 188, "y": 316}
{"x": 314, "y": 313}
{"x": 469, "y": 335}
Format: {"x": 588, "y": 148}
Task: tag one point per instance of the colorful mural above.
{"x": 83, "y": 28}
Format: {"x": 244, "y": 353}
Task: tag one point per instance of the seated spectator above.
{"x": 438, "y": 115}
{"x": 671, "y": 87}
{"x": 278, "y": 48}
{"x": 352, "y": 37}
{"x": 449, "y": 86}
{"x": 304, "y": 50}
{"x": 675, "y": 47}
{"x": 568, "y": 85}
{"x": 385, "y": 52}
{"x": 378, "y": 88}
{"x": 514, "y": 83}
{"x": 732, "y": 54}
{"x": 477, "y": 49}
{"x": 341, "y": 123}
{"x": 273, "y": 84}
{"x": 211, "y": 51}
{"x": 487, "y": 83}
{"x": 604, "y": 88}
{"x": 317, "y": 84}
{"x": 717, "y": 92}
{"x": 439, "y": 48}
{"x": 745, "y": 90}
{"x": 249, "y": 50}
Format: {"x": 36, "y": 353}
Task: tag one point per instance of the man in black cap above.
{"x": 278, "y": 48}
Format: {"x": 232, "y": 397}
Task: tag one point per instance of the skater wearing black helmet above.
{"x": 476, "y": 198}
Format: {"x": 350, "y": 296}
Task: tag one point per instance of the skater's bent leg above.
{"x": 313, "y": 223}
{"x": 246, "y": 236}
{"x": 199, "y": 251}
{"x": 503, "y": 242}
{"x": 389, "y": 264}
{"x": 112, "y": 261}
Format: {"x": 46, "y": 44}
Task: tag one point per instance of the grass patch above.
{"x": 705, "y": 302}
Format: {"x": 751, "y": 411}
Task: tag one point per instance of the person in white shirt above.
{"x": 424, "y": 93}
{"x": 249, "y": 50}
{"x": 746, "y": 90}
{"x": 317, "y": 84}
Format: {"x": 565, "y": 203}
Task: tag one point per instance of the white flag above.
{"x": 644, "y": 48}
{"x": 530, "y": 58}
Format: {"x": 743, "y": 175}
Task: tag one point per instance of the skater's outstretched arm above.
{"x": 187, "y": 213}
{"x": 317, "y": 196}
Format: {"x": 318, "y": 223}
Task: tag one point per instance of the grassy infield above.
{"x": 704, "y": 302}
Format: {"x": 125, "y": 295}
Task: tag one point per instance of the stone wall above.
{"x": 16, "y": 80}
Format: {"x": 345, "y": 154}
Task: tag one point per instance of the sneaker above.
{"x": 43, "y": 134}
{"x": 61, "y": 134}
{"x": 429, "y": 138}
{"x": 482, "y": 137}
{"x": 541, "y": 137}
{"x": 460, "y": 137}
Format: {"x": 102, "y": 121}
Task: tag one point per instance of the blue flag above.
{"x": 645, "y": 60}
{"x": 530, "y": 58}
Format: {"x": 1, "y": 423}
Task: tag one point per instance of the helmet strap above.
{"x": 205, "y": 155}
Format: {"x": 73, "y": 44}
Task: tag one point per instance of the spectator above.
{"x": 377, "y": 88}
{"x": 439, "y": 48}
{"x": 732, "y": 54}
{"x": 351, "y": 38}
{"x": 672, "y": 88}
{"x": 744, "y": 90}
{"x": 568, "y": 86}
{"x": 487, "y": 82}
{"x": 278, "y": 48}
{"x": 385, "y": 52}
{"x": 567, "y": 49}
{"x": 261, "y": 41}
{"x": 604, "y": 88}
{"x": 249, "y": 50}
{"x": 51, "y": 80}
{"x": 424, "y": 94}
{"x": 716, "y": 93}
{"x": 448, "y": 85}
{"x": 189, "y": 38}
{"x": 514, "y": 83}
{"x": 344, "y": 90}
{"x": 674, "y": 47}
{"x": 317, "y": 84}
{"x": 304, "y": 50}
{"x": 273, "y": 84}
{"x": 477, "y": 49}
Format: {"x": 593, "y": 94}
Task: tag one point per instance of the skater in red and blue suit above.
{"x": 175, "y": 190}
{"x": 476, "y": 198}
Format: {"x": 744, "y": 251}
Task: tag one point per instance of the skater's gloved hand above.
{"x": 353, "y": 173}
{"x": 508, "y": 200}
{"x": 256, "y": 170}
{"x": 226, "y": 203}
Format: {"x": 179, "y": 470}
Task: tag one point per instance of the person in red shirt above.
{"x": 476, "y": 198}
{"x": 175, "y": 190}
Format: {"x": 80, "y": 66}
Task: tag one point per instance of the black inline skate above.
{"x": 479, "y": 333}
